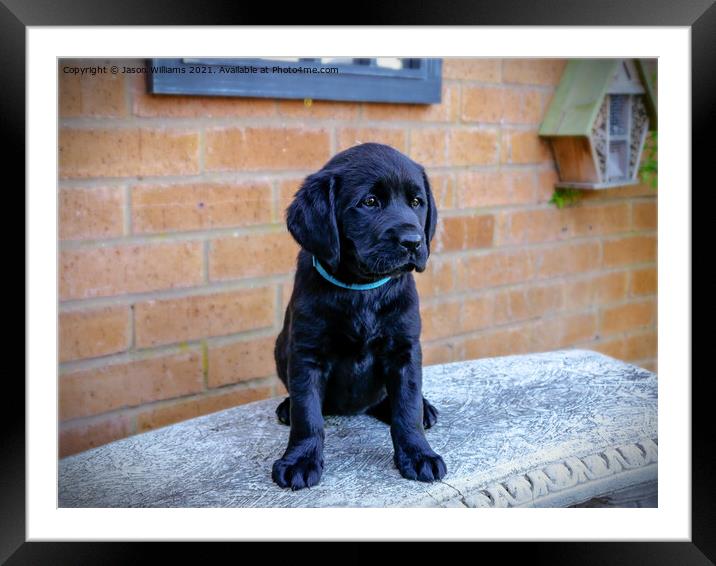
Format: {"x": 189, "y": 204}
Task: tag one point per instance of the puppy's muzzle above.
{"x": 411, "y": 242}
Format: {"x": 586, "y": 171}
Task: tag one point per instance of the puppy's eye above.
{"x": 415, "y": 202}
{"x": 370, "y": 202}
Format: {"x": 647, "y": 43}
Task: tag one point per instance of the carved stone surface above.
{"x": 552, "y": 429}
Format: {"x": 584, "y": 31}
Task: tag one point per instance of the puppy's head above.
{"x": 369, "y": 211}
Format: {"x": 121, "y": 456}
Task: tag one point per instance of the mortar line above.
{"x": 193, "y": 345}
{"x": 212, "y": 288}
{"x": 247, "y": 385}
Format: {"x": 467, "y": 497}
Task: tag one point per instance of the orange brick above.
{"x": 101, "y": 272}
{"x": 249, "y": 149}
{"x": 442, "y": 186}
{"x": 464, "y": 232}
{"x": 644, "y": 216}
{"x": 437, "y": 279}
{"x": 201, "y": 316}
{"x": 545, "y": 334}
{"x": 429, "y": 146}
{"x": 471, "y": 68}
{"x": 602, "y": 220}
{"x": 644, "y": 281}
{"x": 524, "y": 107}
{"x": 629, "y": 191}
{"x": 500, "y": 342}
{"x": 278, "y": 387}
{"x": 482, "y": 104}
{"x": 173, "y": 106}
{"x": 631, "y": 348}
{"x": 501, "y": 105}
{"x": 596, "y": 290}
{"x": 166, "y": 208}
{"x": 446, "y": 111}
{"x": 317, "y": 109}
{"x": 515, "y": 105}
{"x": 546, "y": 181}
{"x": 547, "y": 98}
{"x": 552, "y": 224}
{"x": 286, "y": 292}
{"x": 627, "y": 317}
{"x": 533, "y": 71}
{"x": 524, "y": 147}
{"x": 177, "y": 411}
{"x": 127, "y": 152}
{"x": 521, "y": 304}
{"x": 98, "y": 95}
{"x": 476, "y": 313}
{"x": 493, "y": 269}
{"x": 78, "y": 437}
{"x": 567, "y": 258}
{"x": 440, "y": 320}
{"x": 287, "y": 189}
{"x": 509, "y": 306}
{"x": 579, "y": 328}
{"x": 560, "y": 332}
{"x": 93, "y": 333}
{"x": 94, "y": 391}
{"x": 641, "y": 346}
{"x": 629, "y": 250}
{"x": 530, "y": 226}
{"x": 254, "y": 255}
{"x": 472, "y": 147}
{"x": 89, "y": 213}
{"x": 492, "y": 188}
{"x": 437, "y": 354}
{"x": 348, "y": 137}
{"x": 170, "y": 106}
{"x": 157, "y": 105}
{"x": 613, "y": 348}
{"x": 241, "y": 361}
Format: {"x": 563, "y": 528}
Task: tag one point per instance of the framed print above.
{"x": 160, "y": 276}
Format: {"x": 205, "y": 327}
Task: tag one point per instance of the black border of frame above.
{"x": 699, "y": 15}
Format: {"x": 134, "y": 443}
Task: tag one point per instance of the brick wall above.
{"x": 175, "y": 265}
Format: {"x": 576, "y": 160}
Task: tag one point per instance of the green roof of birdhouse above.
{"x": 580, "y": 93}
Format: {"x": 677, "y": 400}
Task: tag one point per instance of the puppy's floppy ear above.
{"x": 311, "y": 218}
{"x": 431, "y": 220}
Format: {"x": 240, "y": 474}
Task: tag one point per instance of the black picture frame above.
{"x": 699, "y": 15}
{"x": 353, "y": 83}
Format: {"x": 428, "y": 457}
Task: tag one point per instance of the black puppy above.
{"x": 351, "y": 336}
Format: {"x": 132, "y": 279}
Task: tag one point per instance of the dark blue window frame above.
{"x": 419, "y": 82}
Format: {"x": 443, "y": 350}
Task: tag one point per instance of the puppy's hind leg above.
{"x": 381, "y": 411}
{"x": 283, "y": 411}
{"x": 430, "y": 414}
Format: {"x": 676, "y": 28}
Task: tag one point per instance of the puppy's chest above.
{"x": 357, "y": 332}
{"x": 357, "y": 351}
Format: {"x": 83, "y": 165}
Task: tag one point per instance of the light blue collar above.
{"x": 352, "y": 286}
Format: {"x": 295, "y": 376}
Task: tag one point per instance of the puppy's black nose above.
{"x": 411, "y": 242}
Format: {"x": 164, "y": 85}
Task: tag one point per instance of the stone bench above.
{"x": 564, "y": 428}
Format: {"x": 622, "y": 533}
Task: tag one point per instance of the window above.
{"x": 382, "y": 79}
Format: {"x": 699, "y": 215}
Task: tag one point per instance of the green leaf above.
{"x": 565, "y": 197}
{"x": 649, "y": 169}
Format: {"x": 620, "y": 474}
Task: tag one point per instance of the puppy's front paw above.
{"x": 298, "y": 472}
{"x": 421, "y": 465}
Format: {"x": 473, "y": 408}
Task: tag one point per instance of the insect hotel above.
{"x": 598, "y": 121}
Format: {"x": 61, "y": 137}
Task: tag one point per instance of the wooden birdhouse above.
{"x": 597, "y": 122}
